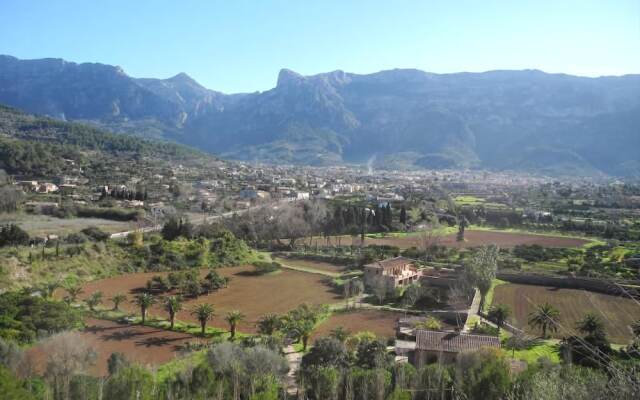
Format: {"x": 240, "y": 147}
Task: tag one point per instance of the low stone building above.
{"x": 396, "y": 272}
{"x": 444, "y": 347}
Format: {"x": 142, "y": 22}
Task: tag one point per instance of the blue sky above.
{"x": 238, "y": 45}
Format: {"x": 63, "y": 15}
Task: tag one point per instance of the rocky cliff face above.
{"x": 501, "y": 119}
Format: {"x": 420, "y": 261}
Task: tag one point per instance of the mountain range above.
{"x": 520, "y": 120}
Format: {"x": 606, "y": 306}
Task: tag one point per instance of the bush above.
{"x": 13, "y": 235}
{"x": 96, "y": 233}
{"x": 265, "y": 267}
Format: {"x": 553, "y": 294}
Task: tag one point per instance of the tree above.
{"x": 403, "y": 215}
{"x": 482, "y": 270}
{"x": 303, "y": 329}
{"x": 144, "y": 301}
{"x": 117, "y": 299}
{"x": 94, "y": 300}
{"x": 269, "y": 324}
{"x": 591, "y": 325}
{"x": 339, "y": 333}
{"x": 232, "y": 318}
{"x": 499, "y": 314}
{"x": 67, "y": 355}
{"x": 74, "y": 291}
{"x": 203, "y": 313}
{"x": 130, "y": 382}
{"x": 326, "y": 352}
{"x": 429, "y": 323}
{"x": 116, "y": 361}
{"x": 483, "y": 374}
{"x": 379, "y": 288}
{"x": 545, "y": 317}
{"x": 372, "y": 354}
{"x": 462, "y": 225}
{"x": 172, "y": 305}
{"x": 411, "y": 295}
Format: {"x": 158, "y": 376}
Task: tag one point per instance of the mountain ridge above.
{"x": 495, "y": 119}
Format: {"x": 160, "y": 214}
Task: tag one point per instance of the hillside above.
{"x": 522, "y": 120}
{"x": 34, "y": 146}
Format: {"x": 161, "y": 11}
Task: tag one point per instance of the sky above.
{"x": 240, "y": 46}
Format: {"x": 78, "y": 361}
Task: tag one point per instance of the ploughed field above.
{"x": 483, "y": 238}
{"x": 312, "y": 265}
{"x": 616, "y": 312}
{"x": 473, "y": 238}
{"x": 140, "y": 344}
{"x": 253, "y": 295}
{"x": 382, "y": 323}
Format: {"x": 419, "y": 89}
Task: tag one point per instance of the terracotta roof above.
{"x": 453, "y": 342}
{"x": 391, "y": 263}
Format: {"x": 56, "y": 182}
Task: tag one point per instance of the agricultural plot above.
{"x": 475, "y": 238}
{"x": 140, "y": 344}
{"x": 39, "y": 225}
{"x": 252, "y": 295}
{"x": 616, "y": 312}
{"x": 382, "y": 323}
{"x": 312, "y": 265}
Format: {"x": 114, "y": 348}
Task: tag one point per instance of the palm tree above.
{"x": 499, "y": 314}
{"x": 269, "y": 324}
{"x": 232, "y": 318}
{"x": 203, "y": 313}
{"x": 94, "y": 300}
{"x": 144, "y": 301}
{"x": 546, "y": 317}
{"x": 74, "y": 291}
{"x": 116, "y": 300}
{"x": 172, "y": 305}
{"x": 591, "y": 325}
{"x": 303, "y": 329}
{"x": 339, "y": 333}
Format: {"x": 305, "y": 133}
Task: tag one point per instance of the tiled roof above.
{"x": 391, "y": 263}
{"x": 453, "y": 341}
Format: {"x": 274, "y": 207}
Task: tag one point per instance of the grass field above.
{"x": 474, "y": 238}
{"x": 140, "y": 344}
{"x": 617, "y": 312}
{"x": 38, "y": 225}
{"x": 253, "y": 295}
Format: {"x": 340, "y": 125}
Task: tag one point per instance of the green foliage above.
{"x": 11, "y": 388}
{"x": 483, "y": 375}
{"x": 265, "y": 267}
{"x": 13, "y": 235}
{"x": 23, "y": 316}
{"x": 130, "y": 383}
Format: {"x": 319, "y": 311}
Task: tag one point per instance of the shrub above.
{"x": 265, "y": 267}
{"x": 96, "y": 233}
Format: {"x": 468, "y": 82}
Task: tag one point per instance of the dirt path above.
{"x": 294, "y": 358}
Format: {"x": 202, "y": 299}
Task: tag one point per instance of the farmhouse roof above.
{"x": 453, "y": 342}
{"x": 391, "y": 263}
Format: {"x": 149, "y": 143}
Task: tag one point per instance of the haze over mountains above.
{"x": 523, "y": 120}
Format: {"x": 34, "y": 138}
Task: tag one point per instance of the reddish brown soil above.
{"x": 482, "y": 238}
{"x": 617, "y": 312}
{"x": 253, "y": 295}
{"x": 140, "y": 344}
{"x": 382, "y": 323}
